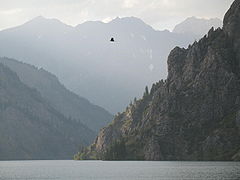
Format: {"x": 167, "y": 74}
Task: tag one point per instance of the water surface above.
{"x": 123, "y": 170}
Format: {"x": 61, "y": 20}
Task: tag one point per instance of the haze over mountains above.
{"x": 63, "y": 100}
{"x": 31, "y": 128}
{"x": 107, "y": 74}
{"x": 197, "y": 26}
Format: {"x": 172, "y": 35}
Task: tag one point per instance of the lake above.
{"x": 118, "y": 170}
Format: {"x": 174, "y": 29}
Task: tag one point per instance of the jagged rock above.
{"x": 232, "y": 26}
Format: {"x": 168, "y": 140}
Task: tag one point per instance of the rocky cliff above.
{"x": 193, "y": 115}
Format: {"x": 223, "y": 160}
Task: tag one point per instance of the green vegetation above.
{"x": 116, "y": 151}
{"x": 30, "y": 127}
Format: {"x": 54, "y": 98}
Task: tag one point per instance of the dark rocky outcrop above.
{"x": 194, "y": 114}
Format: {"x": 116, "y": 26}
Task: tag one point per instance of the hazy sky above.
{"x": 161, "y": 14}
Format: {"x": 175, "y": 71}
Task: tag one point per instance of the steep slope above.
{"x": 63, "y": 100}
{"x": 87, "y": 63}
{"x": 197, "y": 26}
{"x": 193, "y": 115}
{"x": 30, "y": 128}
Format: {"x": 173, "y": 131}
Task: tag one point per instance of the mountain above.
{"x": 63, "y": 100}
{"x": 197, "y": 26}
{"x": 87, "y": 63}
{"x": 31, "y": 128}
{"x": 192, "y": 115}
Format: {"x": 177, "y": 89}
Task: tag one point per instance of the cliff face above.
{"x": 194, "y": 114}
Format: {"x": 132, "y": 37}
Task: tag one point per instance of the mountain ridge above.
{"x": 65, "y": 101}
{"x": 31, "y": 128}
{"x": 79, "y": 55}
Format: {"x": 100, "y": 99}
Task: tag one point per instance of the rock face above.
{"x": 194, "y": 114}
{"x": 30, "y": 128}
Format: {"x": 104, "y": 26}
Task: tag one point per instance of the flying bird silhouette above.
{"x": 112, "y": 39}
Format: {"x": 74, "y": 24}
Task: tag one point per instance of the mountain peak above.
{"x": 127, "y": 19}
{"x": 196, "y": 25}
{"x": 90, "y": 24}
{"x": 40, "y": 19}
{"x": 231, "y": 22}
{"x": 132, "y": 22}
{"x": 43, "y": 21}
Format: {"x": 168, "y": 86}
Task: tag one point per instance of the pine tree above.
{"x": 146, "y": 93}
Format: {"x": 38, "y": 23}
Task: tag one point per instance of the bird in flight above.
{"x": 112, "y": 39}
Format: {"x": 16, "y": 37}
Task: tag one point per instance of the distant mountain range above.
{"x": 86, "y": 62}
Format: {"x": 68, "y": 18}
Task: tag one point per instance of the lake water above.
{"x": 123, "y": 170}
